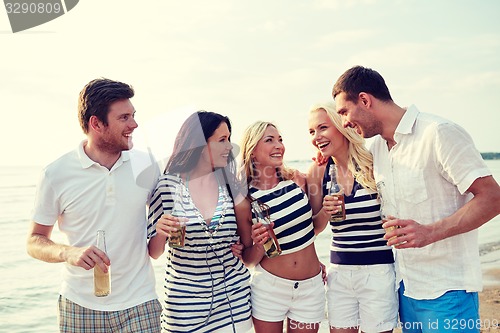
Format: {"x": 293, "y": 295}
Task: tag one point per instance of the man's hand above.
{"x": 87, "y": 257}
{"x": 407, "y": 234}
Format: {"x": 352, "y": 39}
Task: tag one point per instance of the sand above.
{"x": 489, "y": 301}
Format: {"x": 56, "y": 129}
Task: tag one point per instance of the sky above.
{"x": 249, "y": 60}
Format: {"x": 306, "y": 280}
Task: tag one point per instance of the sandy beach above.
{"x": 489, "y": 298}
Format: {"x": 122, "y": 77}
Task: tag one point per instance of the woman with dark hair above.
{"x": 206, "y": 284}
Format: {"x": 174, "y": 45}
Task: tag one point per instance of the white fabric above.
{"x": 84, "y": 197}
{"x": 275, "y": 298}
{"x": 426, "y": 177}
{"x": 362, "y": 295}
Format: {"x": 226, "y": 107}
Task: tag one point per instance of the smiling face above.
{"x": 357, "y": 116}
{"x": 324, "y": 134}
{"x": 218, "y": 147}
{"x": 117, "y": 134}
{"x": 269, "y": 150}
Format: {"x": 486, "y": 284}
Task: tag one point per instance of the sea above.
{"x": 29, "y": 287}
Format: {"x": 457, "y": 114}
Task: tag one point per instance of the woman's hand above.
{"x": 259, "y": 233}
{"x": 320, "y": 159}
{"x": 237, "y": 249}
{"x": 331, "y": 204}
{"x": 323, "y": 272}
{"x": 168, "y": 224}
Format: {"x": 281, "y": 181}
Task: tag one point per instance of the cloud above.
{"x": 337, "y": 4}
{"x": 395, "y": 55}
{"x": 331, "y": 40}
{"x": 269, "y": 26}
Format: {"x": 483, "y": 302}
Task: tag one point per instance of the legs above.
{"x": 277, "y": 327}
{"x": 261, "y": 326}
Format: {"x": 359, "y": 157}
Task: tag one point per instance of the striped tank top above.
{"x": 358, "y": 240}
{"x": 291, "y": 213}
{"x": 206, "y": 286}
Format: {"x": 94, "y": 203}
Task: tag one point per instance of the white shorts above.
{"x": 275, "y": 298}
{"x": 362, "y": 296}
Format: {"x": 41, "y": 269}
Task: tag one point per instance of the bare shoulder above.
{"x": 242, "y": 207}
{"x": 300, "y": 179}
{"x": 298, "y": 175}
{"x": 315, "y": 173}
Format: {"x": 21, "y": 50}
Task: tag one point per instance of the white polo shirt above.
{"x": 83, "y": 197}
{"x": 426, "y": 176}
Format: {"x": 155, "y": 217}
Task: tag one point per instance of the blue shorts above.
{"x": 456, "y": 311}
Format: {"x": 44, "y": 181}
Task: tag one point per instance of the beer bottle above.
{"x": 102, "y": 281}
{"x": 271, "y": 247}
{"x": 337, "y": 190}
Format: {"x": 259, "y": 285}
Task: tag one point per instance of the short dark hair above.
{"x": 96, "y": 97}
{"x": 361, "y": 79}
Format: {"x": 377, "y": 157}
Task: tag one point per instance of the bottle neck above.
{"x": 101, "y": 240}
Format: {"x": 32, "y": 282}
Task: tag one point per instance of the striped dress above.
{"x": 291, "y": 213}
{"x": 206, "y": 286}
{"x": 358, "y": 240}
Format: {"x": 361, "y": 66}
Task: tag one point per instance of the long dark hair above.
{"x": 192, "y": 139}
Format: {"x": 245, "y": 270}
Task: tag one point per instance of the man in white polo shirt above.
{"x": 442, "y": 191}
{"x": 97, "y": 187}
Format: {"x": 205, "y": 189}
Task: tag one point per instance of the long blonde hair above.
{"x": 251, "y": 137}
{"x": 360, "y": 160}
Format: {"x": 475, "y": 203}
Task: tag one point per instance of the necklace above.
{"x": 219, "y": 214}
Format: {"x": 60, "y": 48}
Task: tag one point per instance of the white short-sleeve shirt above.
{"x": 426, "y": 176}
{"x": 83, "y": 197}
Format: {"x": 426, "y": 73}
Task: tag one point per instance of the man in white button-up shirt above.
{"x": 431, "y": 173}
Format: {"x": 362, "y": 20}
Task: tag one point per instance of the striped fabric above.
{"x": 143, "y": 318}
{"x": 359, "y": 239}
{"x": 206, "y": 286}
{"x": 291, "y": 213}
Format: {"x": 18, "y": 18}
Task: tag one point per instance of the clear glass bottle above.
{"x": 271, "y": 247}
{"x": 102, "y": 281}
{"x": 386, "y": 207}
{"x": 177, "y": 238}
{"x": 336, "y": 189}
